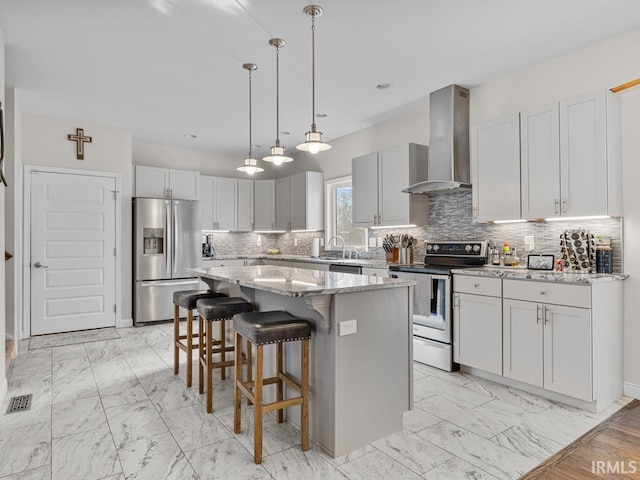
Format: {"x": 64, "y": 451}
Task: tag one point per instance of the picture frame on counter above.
{"x": 540, "y": 262}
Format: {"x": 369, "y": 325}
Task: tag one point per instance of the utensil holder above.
{"x": 392, "y": 256}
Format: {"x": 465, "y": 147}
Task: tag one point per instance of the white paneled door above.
{"x": 73, "y": 262}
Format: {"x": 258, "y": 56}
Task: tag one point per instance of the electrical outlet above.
{"x": 529, "y": 243}
{"x": 348, "y": 327}
{"x": 321, "y": 242}
{"x": 259, "y": 241}
{"x": 372, "y": 242}
{"x": 295, "y": 242}
{"x": 380, "y": 239}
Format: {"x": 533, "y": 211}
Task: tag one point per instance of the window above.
{"x": 339, "y": 208}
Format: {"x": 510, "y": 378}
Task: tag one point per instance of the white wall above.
{"x": 410, "y": 127}
{"x": 13, "y": 207}
{"x": 3, "y": 376}
{"x": 207, "y": 163}
{"x": 45, "y": 143}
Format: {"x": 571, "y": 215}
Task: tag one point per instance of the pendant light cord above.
{"x": 313, "y": 72}
{"x": 277, "y": 96}
{"x": 250, "y": 142}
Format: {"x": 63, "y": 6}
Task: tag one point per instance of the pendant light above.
{"x": 250, "y": 164}
{"x": 313, "y": 139}
{"x": 277, "y": 155}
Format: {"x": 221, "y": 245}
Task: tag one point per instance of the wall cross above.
{"x": 80, "y": 140}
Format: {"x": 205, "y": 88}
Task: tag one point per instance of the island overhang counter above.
{"x": 360, "y": 382}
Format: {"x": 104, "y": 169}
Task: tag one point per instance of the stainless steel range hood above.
{"x": 449, "y": 165}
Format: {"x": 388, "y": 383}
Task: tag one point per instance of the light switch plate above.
{"x": 529, "y": 243}
{"x": 380, "y": 239}
{"x": 295, "y": 242}
{"x": 347, "y": 327}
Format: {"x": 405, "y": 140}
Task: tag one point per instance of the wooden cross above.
{"x": 79, "y": 138}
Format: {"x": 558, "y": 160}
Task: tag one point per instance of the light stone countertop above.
{"x": 519, "y": 273}
{"x": 298, "y": 282}
{"x": 364, "y": 262}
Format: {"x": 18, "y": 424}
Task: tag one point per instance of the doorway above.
{"x": 71, "y": 236}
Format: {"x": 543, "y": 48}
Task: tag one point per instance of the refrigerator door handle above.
{"x": 168, "y": 284}
{"x": 169, "y": 250}
{"x": 175, "y": 238}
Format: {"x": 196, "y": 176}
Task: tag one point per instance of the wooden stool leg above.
{"x": 208, "y": 327}
{"x": 257, "y": 409}
{"x": 304, "y": 420}
{"x": 237, "y": 374}
{"x": 201, "y": 354}
{"x": 189, "y": 347}
{"x": 249, "y": 367}
{"x": 176, "y": 339}
{"x": 279, "y": 382}
{"x": 223, "y": 344}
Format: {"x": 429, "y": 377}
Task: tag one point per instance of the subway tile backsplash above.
{"x": 450, "y": 218}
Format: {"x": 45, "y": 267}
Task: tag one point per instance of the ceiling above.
{"x": 165, "y": 68}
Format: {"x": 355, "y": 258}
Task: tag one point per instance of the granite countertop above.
{"x": 364, "y": 262}
{"x": 298, "y": 282}
{"x": 519, "y": 273}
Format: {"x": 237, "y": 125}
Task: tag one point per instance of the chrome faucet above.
{"x": 337, "y": 237}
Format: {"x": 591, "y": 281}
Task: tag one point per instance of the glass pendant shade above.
{"x": 313, "y": 139}
{"x": 277, "y": 156}
{"x": 250, "y": 164}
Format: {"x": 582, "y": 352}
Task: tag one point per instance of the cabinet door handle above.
{"x": 565, "y": 209}
{"x": 555, "y": 205}
{"x": 475, "y": 212}
{"x": 547, "y": 314}
{"x": 538, "y": 313}
{"x": 476, "y": 285}
{"x": 542, "y": 292}
{"x": 456, "y": 300}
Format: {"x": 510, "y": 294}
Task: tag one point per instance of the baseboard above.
{"x": 124, "y": 322}
{"x": 632, "y": 390}
{"x": 3, "y": 389}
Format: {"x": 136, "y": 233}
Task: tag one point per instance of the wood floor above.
{"x": 610, "y": 450}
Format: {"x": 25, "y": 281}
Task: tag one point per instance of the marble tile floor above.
{"x": 112, "y": 409}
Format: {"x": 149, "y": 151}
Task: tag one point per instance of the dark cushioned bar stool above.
{"x": 187, "y": 299}
{"x": 215, "y": 310}
{"x": 261, "y": 328}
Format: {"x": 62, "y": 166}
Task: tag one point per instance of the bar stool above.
{"x": 215, "y": 310}
{"x": 261, "y": 328}
{"x": 187, "y": 299}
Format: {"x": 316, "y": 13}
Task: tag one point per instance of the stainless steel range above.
{"x": 432, "y": 297}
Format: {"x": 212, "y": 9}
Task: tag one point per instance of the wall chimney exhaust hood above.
{"x": 449, "y": 164}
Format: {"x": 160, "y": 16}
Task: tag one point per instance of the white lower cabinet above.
{"x": 477, "y": 331}
{"x": 549, "y": 346}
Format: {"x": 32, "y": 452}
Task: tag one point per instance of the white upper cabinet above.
{"x": 571, "y": 159}
{"x": 245, "y": 205}
{"x": 378, "y": 180}
{"x": 300, "y": 202}
{"x": 495, "y": 169}
{"x": 265, "y": 205}
{"x": 166, "y": 183}
{"x": 539, "y": 146}
{"x": 219, "y": 203}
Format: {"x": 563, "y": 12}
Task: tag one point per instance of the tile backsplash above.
{"x": 450, "y": 218}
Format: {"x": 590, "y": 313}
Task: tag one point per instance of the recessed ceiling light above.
{"x": 190, "y": 135}
{"x": 322, "y": 115}
{"x": 284, "y": 132}
{"x": 255, "y": 145}
{"x": 384, "y": 86}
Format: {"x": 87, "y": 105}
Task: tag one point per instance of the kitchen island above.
{"x": 360, "y": 365}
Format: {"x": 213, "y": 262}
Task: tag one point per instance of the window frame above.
{"x": 330, "y": 186}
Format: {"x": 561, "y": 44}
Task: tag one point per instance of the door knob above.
{"x": 39, "y": 265}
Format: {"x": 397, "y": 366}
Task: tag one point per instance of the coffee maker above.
{"x": 207, "y": 246}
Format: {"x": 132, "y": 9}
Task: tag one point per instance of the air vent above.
{"x": 20, "y": 404}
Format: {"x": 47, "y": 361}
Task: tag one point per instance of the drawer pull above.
{"x": 542, "y": 292}
{"x": 476, "y": 285}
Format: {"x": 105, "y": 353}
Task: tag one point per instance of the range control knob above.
{"x": 429, "y": 247}
{"x": 468, "y": 248}
{"x": 476, "y": 248}
{"x": 436, "y": 248}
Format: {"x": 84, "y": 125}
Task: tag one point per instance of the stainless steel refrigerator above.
{"x": 166, "y": 242}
